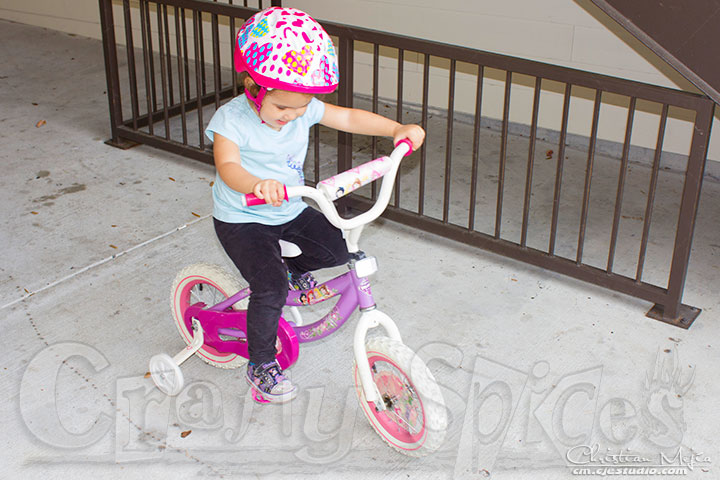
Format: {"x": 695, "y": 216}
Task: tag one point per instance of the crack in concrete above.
{"x": 103, "y": 261}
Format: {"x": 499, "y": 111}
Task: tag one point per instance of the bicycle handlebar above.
{"x": 252, "y": 200}
{"x": 343, "y": 183}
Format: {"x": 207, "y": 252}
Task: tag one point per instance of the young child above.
{"x": 259, "y": 142}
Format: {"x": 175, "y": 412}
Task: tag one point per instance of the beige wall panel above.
{"x": 71, "y": 16}
{"x": 547, "y": 11}
{"x": 608, "y": 54}
{"x": 469, "y": 27}
{"x": 572, "y": 33}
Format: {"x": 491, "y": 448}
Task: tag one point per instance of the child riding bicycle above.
{"x": 260, "y": 140}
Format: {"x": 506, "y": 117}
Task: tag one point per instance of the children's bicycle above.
{"x": 397, "y": 392}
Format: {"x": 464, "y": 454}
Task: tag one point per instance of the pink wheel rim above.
{"x": 205, "y": 350}
{"x": 392, "y": 385}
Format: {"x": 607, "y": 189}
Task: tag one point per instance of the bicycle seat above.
{"x": 289, "y": 249}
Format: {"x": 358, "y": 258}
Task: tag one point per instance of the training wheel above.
{"x": 166, "y": 374}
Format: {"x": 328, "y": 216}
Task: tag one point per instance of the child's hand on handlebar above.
{"x": 272, "y": 191}
{"x": 412, "y": 132}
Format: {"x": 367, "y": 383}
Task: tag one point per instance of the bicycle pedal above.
{"x": 262, "y": 399}
{"x": 258, "y": 397}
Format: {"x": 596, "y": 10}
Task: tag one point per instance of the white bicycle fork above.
{"x": 371, "y": 319}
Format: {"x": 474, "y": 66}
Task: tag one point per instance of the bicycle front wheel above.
{"x": 414, "y": 420}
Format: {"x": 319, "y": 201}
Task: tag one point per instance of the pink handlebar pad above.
{"x": 252, "y": 200}
{"x": 345, "y": 182}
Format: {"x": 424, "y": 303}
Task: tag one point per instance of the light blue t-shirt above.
{"x": 265, "y": 153}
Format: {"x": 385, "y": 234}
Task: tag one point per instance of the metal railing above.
{"x": 176, "y": 78}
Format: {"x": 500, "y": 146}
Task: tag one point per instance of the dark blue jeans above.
{"x": 255, "y": 251}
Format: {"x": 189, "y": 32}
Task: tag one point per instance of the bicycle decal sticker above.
{"x": 365, "y": 287}
{"x": 316, "y": 295}
{"x": 330, "y": 323}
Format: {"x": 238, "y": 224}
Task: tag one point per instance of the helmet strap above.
{"x": 257, "y": 100}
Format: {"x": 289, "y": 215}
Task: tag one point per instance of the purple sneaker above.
{"x": 306, "y": 281}
{"x": 269, "y": 384}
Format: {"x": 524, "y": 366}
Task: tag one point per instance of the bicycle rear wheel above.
{"x": 414, "y": 420}
{"x": 210, "y": 284}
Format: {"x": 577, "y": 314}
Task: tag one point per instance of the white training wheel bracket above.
{"x": 165, "y": 370}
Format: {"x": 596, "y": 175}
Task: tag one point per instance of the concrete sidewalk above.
{"x": 535, "y": 368}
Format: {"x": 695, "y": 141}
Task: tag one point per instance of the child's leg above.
{"x": 322, "y": 244}
{"x": 255, "y": 250}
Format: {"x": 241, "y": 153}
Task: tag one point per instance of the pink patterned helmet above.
{"x": 285, "y": 48}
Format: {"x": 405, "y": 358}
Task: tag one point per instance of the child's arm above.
{"x": 353, "y": 120}
{"x": 230, "y": 169}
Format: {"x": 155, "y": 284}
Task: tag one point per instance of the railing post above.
{"x": 673, "y": 311}
{"x": 345, "y": 99}
{"x": 107, "y": 26}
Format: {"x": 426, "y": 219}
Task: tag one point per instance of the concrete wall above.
{"x": 572, "y": 33}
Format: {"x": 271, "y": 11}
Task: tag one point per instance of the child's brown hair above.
{"x": 243, "y": 84}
